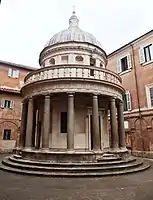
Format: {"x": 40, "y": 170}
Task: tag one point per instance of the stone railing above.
{"x": 73, "y": 71}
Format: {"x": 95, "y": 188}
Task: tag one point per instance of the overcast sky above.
{"x": 26, "y": 25}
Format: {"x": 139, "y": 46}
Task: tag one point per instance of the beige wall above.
{"x": 81, "y": 123}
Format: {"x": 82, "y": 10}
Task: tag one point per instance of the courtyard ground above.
{"x": 137, "y": 186}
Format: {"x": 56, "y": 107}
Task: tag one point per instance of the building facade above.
{"x": 11, "y": 80}
{"x": 134, "y": 63}
{"x": 69, "y": 97}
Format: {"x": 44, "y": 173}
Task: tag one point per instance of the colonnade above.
{"x": 29, "y": 125}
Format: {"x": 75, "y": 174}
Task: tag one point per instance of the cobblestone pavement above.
{"x": 137, "y": 186}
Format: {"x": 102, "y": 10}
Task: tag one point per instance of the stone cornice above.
{"x": 68, "y": 86}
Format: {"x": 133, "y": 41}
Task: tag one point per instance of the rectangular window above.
{"x": 63, "y": 125}
{"x": 7, "y": 134}
{"x": 14, "y": 73}
{"x": 64, "y": 59}
{"x": 7, "y": 104}
{"x": 147, "y": 53}
{"x": 124, "y": 64}
{"x": 127, "y": 101}
{"x": 91, "y": 72}
{"x": 151, "y": 96}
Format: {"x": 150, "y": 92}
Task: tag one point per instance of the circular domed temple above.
{"x": 72, "y": 115}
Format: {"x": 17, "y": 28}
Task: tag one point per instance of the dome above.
{"x": 73, "y": 33}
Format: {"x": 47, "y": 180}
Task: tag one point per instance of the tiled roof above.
{"x": 18, "y": 65}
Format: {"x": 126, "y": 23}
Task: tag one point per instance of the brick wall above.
{"x": 141, "y": 116}
{"x": 10, "y": 118}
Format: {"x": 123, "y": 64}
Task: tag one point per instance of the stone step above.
{"x": 17, "y": 156}
{"x": 108, "y": 159}
{"x": 69, "y": 174}
{"x": 41, "y": 163}
{"x": 79, "y": 169}
{"x": 108, "y": 155}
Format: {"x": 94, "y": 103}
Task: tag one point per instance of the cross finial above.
{"x": 73, "y": 10}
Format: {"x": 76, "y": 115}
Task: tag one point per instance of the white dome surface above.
{"x": 73, "y": 33}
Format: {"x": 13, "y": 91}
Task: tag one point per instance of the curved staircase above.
{"x": 108, "y": 165}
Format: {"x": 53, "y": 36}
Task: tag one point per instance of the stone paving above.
{"x": 137, "y": 186}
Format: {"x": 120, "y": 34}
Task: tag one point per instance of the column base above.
{"x": 27, "y": 148}
{"x": 97, "y": 150}
{"x": 123, "y": 149}
{"x": 115, "y": 149}
{"x": 45, "y": 150}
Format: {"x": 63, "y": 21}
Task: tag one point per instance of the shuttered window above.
{"x": 7, "y": 103}
{"x": 127, "y": 101}
{"x": 124, "y": 63}
{"x": 146, "y": 53}
{"x": 13, "y": 73}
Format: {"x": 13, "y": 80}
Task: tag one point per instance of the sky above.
{"x": 26, "y": 25}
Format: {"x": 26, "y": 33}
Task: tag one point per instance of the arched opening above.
{"x": 79, "y": 59}
{"x": 92, "y": 62}
{"x": 52, "y": 61}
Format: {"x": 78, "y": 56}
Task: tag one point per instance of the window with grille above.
{"x": 7, "y": 134}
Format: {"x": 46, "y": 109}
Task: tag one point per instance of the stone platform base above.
{"x": 79, "y": 164}
{"x": 143, "y": 154}
{"x": 62, "y": 155}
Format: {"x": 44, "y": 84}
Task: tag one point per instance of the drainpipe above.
{"x": 137, "y": 92}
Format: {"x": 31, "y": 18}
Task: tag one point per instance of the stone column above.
{"x": 28, "y": 142}
{"x": 34, "y": 125}
{"x": 23, "y": 125}
{"x": 70, "y": 125}
{"x": 38, "y": 128}
{"x": 113, "y": 123}
{"x": 95, "y": 123}
{"x": 46, "y": 123}
{"x": 121, "y": 131}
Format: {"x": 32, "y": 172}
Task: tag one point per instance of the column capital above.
{"x": 112, "y": 99}
{"x": 30, "y": 99}
{"x": 121, "y": 103}
{"x": 70, "y": 94}
{"x": 95, "y": 96}
{"x": 47, "y": 96}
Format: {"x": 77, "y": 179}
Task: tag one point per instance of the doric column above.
{"x": 46, "y": 123}
{"x": 95, "y": 123}
{"x": 23, "y": 125}
{"x": 38, "y": 128}
{"x": 34, "y": 125}
{"x": 70, "y": 125}
{"x": 121, "y": 131}
{"x": 113, "y": 123}
{"x": 28, "y": 143}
